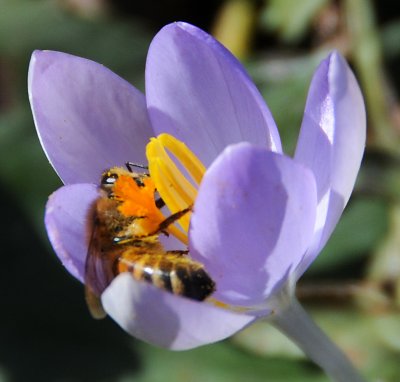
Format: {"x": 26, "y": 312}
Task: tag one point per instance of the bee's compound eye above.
{"x": 109, "y": 179}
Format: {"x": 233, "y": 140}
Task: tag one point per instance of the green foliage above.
{"x": 360, "y": 229}
{"x": 390, "y": 39}
{"x": 26, "y": 171}
{"x": 370, "y": 339}
{"x": 284, "y": 82}
{"x": 291, "y": 19}
{"x": 367, "y": 235}
{"x": 223, "y": 363}
{"x": 363, "y": 335}
{"x": 29, "y": 25}
{"x": 42, "y": 24}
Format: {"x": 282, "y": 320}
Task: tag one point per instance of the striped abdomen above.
{"x": 170, "y": 271}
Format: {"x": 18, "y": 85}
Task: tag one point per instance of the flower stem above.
{"x": 295, "y": 322}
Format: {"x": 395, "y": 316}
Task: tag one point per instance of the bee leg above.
{"x": 123, "y": 239}
{"x": 178, "y": 252}
{"x": 172, "y": 219}
{"x": 135, "y": 241}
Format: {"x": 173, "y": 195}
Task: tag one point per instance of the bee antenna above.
{"x": 130, "y": 165}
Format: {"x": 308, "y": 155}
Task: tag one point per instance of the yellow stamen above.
{"x": 174, "y": 188}
{"x": 186, "y": 157}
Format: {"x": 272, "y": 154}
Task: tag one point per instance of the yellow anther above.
{"x": 174, "y": 188}
{"x": 186, "y": 157}
{"x": 170, "y": 190}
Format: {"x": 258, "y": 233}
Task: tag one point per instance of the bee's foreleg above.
{"x": 178, "y": 252}
{"x": 172, "y": 219}
{"x": 127, "y": 239}
{"x": 122, "y": 239}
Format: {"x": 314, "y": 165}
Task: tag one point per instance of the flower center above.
{"x": 176, "y": 179}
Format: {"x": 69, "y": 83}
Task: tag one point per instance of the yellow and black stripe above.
{"x": 172, "y": 272}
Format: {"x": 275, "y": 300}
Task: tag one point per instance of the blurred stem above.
{"x": 294, "y": 322}
{"x": 233, "y": 26}
{"x": 367, "y": 55}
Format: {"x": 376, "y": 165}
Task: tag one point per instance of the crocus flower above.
{"x": 260, "y": 217}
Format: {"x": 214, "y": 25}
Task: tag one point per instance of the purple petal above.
{"x": 88, "y": 119}
{"x": 252, "y": 222}
{"x": 198, "y": 92}
{"x": 166, "y": 320}
{"x": 331, "y": 143}
{"x": 66, "y": 219}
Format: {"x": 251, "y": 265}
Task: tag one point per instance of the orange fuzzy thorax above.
{"x": 138, "y": 201}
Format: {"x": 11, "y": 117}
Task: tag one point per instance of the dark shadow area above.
{"x": 159, "y": 13}
{"x": 46, "y": 333}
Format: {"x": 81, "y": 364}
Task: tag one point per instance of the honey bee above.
{"x": 125, "y": 242}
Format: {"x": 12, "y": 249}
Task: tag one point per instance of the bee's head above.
{"x": 110, "y": 176}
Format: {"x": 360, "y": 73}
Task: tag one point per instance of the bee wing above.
{"x": 98, "y": 268}
{"x": 95, "y": 278}
{"x": 94, "y": 305}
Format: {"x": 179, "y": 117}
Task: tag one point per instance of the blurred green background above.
{"x": 352, "y": 290}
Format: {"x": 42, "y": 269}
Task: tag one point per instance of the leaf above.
{"x": 29, "y": 25}
{"x": 264, "y": 339}
{"x": 358, "y": 232}
{"x": 24, "y": 168}
{"x": 283, "y": 82}
{"x": 360, "y": 334}
{"x": 220, "y": 362}
{"x": 385, "y": 263}
{"x": 290, "y": 18}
